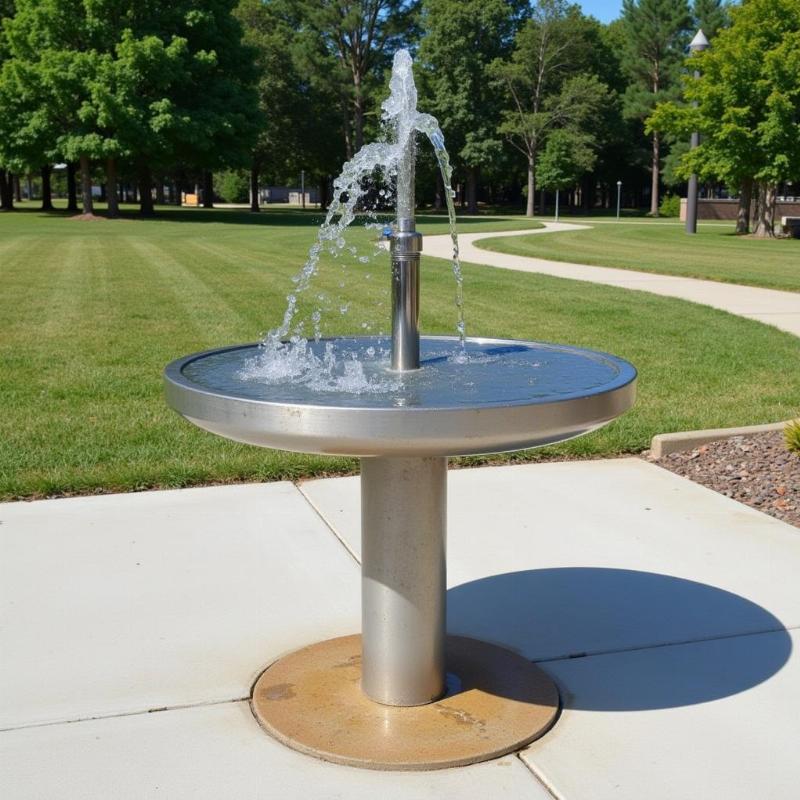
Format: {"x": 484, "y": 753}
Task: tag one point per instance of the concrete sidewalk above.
{"x": 134, "y": 625}
{"x": 773, "y": 307}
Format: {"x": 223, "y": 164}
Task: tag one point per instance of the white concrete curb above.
{"x": 665, "y": 443}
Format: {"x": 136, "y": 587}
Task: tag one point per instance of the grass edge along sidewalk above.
{"x": 714, "y": 253}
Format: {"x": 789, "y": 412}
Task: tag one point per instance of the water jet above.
{"x": 402, "y": 695}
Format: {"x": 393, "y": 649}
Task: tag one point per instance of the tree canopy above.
{"x": 747, "y": 106}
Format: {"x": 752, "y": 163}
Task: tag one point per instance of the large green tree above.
{"x": 747, "y": 107}
{"x": 548, "y": 81}
{"x": 461, "y": 39}
{"x": 144, "y": 82}
{"x": 295, "y": 107}
{"x": 656, "y": 35}
{"x": 350, "y": 44}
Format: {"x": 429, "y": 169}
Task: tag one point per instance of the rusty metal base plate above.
{"x": 497, "y": 702}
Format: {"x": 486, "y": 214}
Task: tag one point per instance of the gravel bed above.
{"x": 756, "y": 470}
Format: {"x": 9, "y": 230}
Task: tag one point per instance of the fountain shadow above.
{"x": 627, "y": 620}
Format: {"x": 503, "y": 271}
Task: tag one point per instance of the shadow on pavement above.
{"x": 571, "y": 613}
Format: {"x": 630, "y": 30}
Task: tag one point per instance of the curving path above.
{"x": 771, "y": 306}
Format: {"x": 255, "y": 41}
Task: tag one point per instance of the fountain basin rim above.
{"x": 173, "y": 373}
{"x": 420, "y": 430}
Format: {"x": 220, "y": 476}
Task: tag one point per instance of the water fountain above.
{"x": 402, "y": 695}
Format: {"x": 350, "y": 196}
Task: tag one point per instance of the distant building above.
{"x": 287, "y": 194}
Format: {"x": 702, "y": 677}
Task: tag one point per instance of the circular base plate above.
{"x": 497, "y": 702}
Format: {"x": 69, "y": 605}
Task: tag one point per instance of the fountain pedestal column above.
{"x": 403, "y": 579}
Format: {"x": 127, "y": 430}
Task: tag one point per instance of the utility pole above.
{"x": 699, "y": 43}
{"x": 619, "y": 196}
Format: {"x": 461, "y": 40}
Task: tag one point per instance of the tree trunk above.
{"x": 472, "y": 190}
{"x": 324, "y": 199}
{"x": 358, "y": 115}
{"x": 208, "y": 189}
{"x": 29, "y": 187}
{"x": 72, "y": 188}
{"x": 587, "y": 193}
{"x": 145, "y": 190}
{"x": 86, "y": 186}
{"x": 255, "y": 205}
{"x": 529, "y": 208}
{"x": 47, "y": 192}
{"x": 6, "y": 191}
{"x": 766, "y": 211}
{"x": 346, "y": 127}
{"x": 111, "y": 188}
{"x": 160, "y": 191}
{"x": 743, "y": 212}
{"x": 655, "y": 167}
{"x": 17, "y": 189}
{"x": 438, "y": 194}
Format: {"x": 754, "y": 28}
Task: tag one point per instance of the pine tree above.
{"x": 656, "y": 38}
{"x": 709, "y": 16}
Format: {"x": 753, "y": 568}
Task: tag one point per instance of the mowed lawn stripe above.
{"x": 187, "y": 281}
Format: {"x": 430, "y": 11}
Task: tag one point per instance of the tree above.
{"x": 567, "y": 155}
{"x": 747, "y": 97}
{"x": 294, "y": 107}
{"x": 145, "y": 83}
{"x": 710, "y": 16}
{"x": 656, "y": 37}
{"x": 7, "y": 11}
{"x": 351, "y": 43}
{"x": 187, "y": 82}
{"x": 54, "y": 62}
{"x": 543, "y": 81}
{"x": 462, "y": 38}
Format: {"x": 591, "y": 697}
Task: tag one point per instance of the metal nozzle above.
{"x": 406, "y": 246}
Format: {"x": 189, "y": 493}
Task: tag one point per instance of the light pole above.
{"x": 699, "y": 43}
{"x": 556, "y": 205}
{"x": 303, "y": 188}
{"x": 619, "y": 195}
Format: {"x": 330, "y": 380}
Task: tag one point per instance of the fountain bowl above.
{"x": 505, "y": 395}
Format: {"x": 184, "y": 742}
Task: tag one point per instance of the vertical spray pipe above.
{"x": 406, "y": 246}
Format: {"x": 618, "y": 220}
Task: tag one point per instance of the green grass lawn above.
{"x": 714, "y": 252}
{"x": 90, "y": 313}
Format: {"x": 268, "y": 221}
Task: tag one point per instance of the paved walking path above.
{"x": 133, "y": 626}
{"x": 773, "y": 307}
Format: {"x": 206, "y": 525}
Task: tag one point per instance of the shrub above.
{"x": 670, "y": 206}
{"x": 792, "y": 434}
{"x": 232, "y": 187}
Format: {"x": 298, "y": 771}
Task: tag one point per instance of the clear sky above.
{"x": 604, "y": 10}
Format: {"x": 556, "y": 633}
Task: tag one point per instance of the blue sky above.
{"x": 604, "y": 10}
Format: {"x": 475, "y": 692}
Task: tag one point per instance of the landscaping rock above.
{"x": 756, "y": 470}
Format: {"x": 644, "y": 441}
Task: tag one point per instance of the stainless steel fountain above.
{"x": 452, "y": 398}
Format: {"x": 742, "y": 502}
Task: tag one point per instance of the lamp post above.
{"x": 698, "y": 44}
{"x": 556, "y": 205}
{"x": 619, "y": 195}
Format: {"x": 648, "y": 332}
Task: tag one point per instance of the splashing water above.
{"x": 285, "y": 354}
